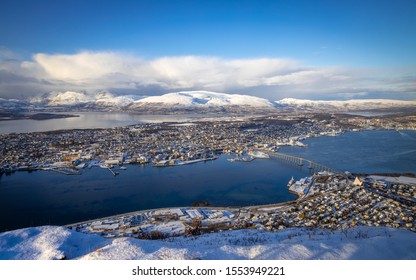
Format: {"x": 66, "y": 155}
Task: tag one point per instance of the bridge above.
{"x": 311, "y": 165}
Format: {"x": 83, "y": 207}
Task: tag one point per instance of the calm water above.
{"x": 91, "y": 120}
{"x": 366, "y": 152}
{"x": 44, "y": 197}
{"x": 41, "y": 197}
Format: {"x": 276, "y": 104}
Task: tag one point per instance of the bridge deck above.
{"x": 302, "y": 161}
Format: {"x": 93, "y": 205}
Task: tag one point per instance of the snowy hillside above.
{"x": 72, "y": 98}
{"x": 206, "y": 99}
{"x": 51, "y": 242}
{"x": 116, "y": 101}
{"x": 68, "y": 98}
{"x": 353, "y": 104}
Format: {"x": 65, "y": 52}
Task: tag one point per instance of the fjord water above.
{"x": 44, "y": 197}
{"x": 385, "y": 151}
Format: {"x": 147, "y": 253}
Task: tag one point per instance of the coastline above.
{"x": 303, "y": 212}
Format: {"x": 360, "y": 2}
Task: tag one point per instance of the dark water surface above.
{"x": 45, "y": 197}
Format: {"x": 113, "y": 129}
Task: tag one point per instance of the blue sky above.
{"x": 368, "y": 46}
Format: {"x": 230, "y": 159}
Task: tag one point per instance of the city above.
{"x": 167, "y": 144}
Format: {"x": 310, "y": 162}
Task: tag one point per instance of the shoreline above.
{"x": 336, "y": 191}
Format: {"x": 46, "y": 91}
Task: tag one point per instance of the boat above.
{"x": 123, "y": 168}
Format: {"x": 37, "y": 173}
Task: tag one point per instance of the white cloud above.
{"x": 182, "y": 72}
{"x": 92, "y": 71}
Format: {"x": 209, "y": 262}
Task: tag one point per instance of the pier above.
{"x": 311, "y": 165}
{"x": 112, "y": 172}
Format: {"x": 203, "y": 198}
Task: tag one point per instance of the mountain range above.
{"x": 192, "y": 101}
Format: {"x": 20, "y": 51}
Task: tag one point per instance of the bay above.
{"x": 45, "y": 197}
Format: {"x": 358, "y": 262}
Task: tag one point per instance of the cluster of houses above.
{"x": 338, "y": 201}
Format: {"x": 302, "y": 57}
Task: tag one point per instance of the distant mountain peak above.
{"x": 205, "y": 99}
{"x": 73, "y": 98}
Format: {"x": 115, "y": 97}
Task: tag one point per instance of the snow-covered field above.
{"x": 52, "y": 242}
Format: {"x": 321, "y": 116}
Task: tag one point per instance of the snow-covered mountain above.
{"x": 82, "y": 99}
{"x": 51, "y": 242}
{"x": 205, "y": 99}
{"x": 346, "y": 105}
{"x": 116, "y": 101}
{"x": 203, "y": 102}
{"x": 196, "y": 102}
{"x": 67, "y": 98}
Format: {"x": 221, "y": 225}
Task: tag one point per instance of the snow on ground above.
{"x": 47, "y": 243}
{"x": 170, "y": 228}
{"x": 401, "y": 179}
{"x": 51, "y": 242}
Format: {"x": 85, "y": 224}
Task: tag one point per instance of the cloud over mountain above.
{"x": 118, "y": 72}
